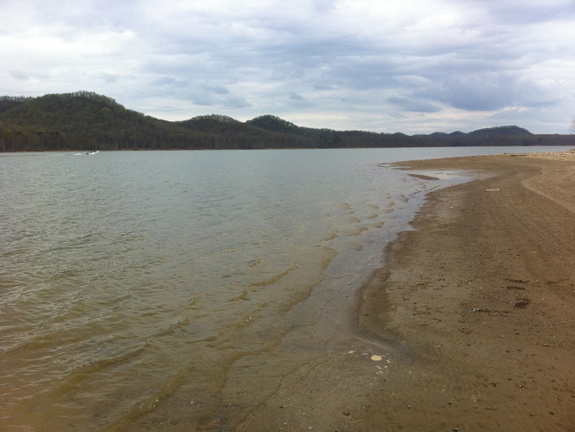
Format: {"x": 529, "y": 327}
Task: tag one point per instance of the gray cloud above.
{"x": 237, "y": 102}
{"x": 344, "y": 64}
{"x": 19, "y": 75}
{"x": 478, "y": 92}
{"x": 413, "y": 105}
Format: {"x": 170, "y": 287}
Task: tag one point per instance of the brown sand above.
{"x": 481, "y": 296}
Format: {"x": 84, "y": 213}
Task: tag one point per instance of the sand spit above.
{"x": 482, "y": 297}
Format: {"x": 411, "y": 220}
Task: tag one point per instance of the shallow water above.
{"x": 186, "y": 279}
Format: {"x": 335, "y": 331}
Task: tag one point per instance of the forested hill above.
{"x": 88, "y": 121}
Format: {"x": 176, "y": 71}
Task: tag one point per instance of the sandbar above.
{"x": 480, "y": 297}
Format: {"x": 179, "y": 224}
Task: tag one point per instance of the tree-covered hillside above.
{"x": 84, "y": 120}
{"x": 87, "y": 121}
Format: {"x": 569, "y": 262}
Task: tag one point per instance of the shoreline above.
{"x": 479, "y": 301}
{"x": 467, "y": 324}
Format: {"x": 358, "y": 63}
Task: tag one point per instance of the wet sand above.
{"x": 481, "y": 299}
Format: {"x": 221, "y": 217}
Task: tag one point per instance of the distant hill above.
{"x": 501, "y": 130}
{"x": 79, "y": 120}
{"x": 86, "y": 121}
{"x": 273, "y": 123}
{"x": 214, "y": 122}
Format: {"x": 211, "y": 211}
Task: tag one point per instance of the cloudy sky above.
{"x": 415, "y": 66}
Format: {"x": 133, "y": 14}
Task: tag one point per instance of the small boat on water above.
{"x": 93, "y": 152}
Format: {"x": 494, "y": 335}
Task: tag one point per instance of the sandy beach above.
{"x": 480, "y": 297}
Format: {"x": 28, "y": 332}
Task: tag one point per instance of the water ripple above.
{"x": 135, "y": 281}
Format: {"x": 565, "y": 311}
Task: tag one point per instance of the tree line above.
{"x": 86, "y": 121}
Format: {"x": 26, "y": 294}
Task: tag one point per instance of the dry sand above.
{"x": 481, "y": 299}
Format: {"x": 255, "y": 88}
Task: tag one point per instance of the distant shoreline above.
{"x": 570, "y": 145}
{"x": 84, "y": 121}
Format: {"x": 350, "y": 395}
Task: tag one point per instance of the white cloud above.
{"x": 412, "y": 66}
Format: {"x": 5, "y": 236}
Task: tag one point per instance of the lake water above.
{"x": 156, "y": 290}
